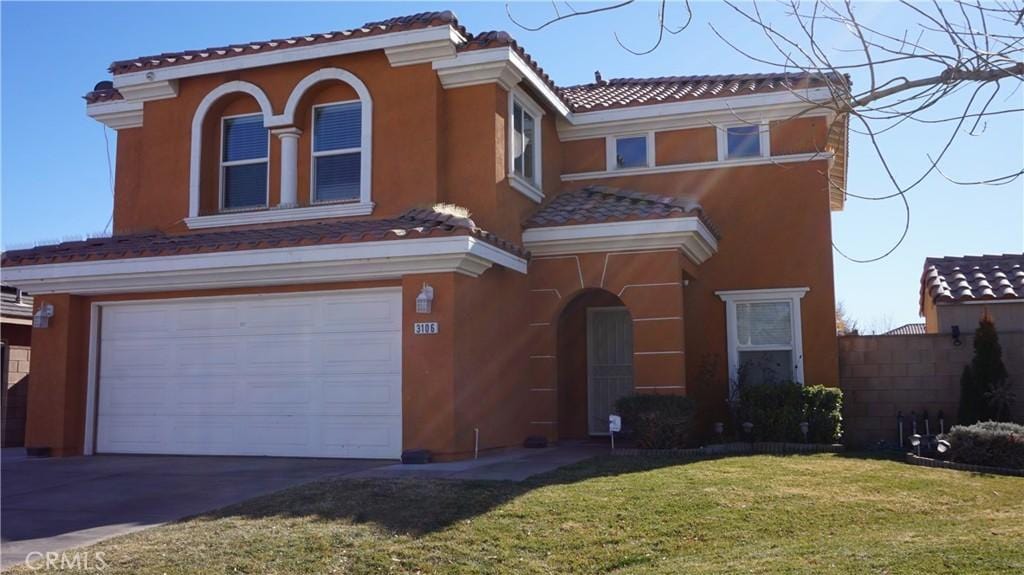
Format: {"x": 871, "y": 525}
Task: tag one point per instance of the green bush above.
{"x": 775, "y": 409}
{"x": 778, "y": 409}
{"x": 657, "y": 421}
{"x": 823, "y": 413}
{"x": 989, "y": 443}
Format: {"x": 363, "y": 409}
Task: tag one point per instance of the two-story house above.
{"x": 293, "y": 272}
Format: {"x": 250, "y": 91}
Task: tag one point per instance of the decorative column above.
{"x": 289, "y": 166}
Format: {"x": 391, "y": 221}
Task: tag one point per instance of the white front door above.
{"x": 303, "y": 375}
{"x": 609, "y": 363}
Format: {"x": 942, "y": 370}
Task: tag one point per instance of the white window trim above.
{"x": 222, "y": 208}
{"x": 313, "y": 155}
{"x": 764, "y": 131}
{"x": 790, "y": 295}
{"x": 612, "y": 156}
{"x": 534, "y": 189}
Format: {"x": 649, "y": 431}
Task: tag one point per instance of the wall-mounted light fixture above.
{"x": 41, "y": 319}
{"x": 956, "y": 336}
{"x": 425, "y": 300}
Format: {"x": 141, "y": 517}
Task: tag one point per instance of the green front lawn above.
{"x": 759, "y": 514}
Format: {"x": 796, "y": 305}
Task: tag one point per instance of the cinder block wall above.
{"x": 15, "y": 399}
{"x": 883, "y": 374}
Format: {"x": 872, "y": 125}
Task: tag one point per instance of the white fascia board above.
{"x": 502, "y": 65}
{"x": 390, "y": 259}
{"x": 425, "y": 36}
{"x": 677, "y": 116}
{"x": 150, "y": 91}
{"x": 688, "y": 234}
{"x": 116, "y": 114}
{"x": 696, "y": 166}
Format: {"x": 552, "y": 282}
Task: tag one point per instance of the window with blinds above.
{"x": 337, "y": 152}
{"x": 244, "y": 162}
{"x": 764, "y": 333}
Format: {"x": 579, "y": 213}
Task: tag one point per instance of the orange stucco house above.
{"x": 283, "y": 280}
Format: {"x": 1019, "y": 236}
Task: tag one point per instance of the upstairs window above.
{"x": 631, "y": 152}
{"x": 524, "y": 143}
{"x": 743, "y": 141}
{"x": 244, "y": 163}
{"x": 337, "y": 152}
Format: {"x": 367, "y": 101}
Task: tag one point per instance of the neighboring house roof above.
{"x": 15, "y": 303}
{"x": 627, "y": 92}
{"x": 417, "y": 223}
{"x": 602, "y": 95}
{"x": 600, "y": 204}
{"x": 972, "y": 278}
{"x": 908, "y": 329}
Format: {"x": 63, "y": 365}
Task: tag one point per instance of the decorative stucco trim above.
{"x": 688, "y": 234}
{"x": 672, "y": 168}
{"x": 378, "y": 260}
{"x": 350, "y": 46}
{"x": 116, "y": 114}
{"x": 274, "y": 215}
{"x": 500, "y": 65}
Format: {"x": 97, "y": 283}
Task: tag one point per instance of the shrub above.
{"x": 777, "y": 409}
{"x": 988, "y": 443}
{"x": 984, "y": 387}
{"x": 657, "y": 421}
{"x": 823, "y": 413}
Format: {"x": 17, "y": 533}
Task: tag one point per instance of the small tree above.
{"x": 983, "y": 384}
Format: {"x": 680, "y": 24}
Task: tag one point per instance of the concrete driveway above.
{"x": 56, "y": 504}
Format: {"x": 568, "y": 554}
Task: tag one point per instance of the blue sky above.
{"x": 54, "y": 164}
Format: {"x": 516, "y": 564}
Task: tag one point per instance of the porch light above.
{"x": 425, "y": 299}
{"x": 41, "y": 319}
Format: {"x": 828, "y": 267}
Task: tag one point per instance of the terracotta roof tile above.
{"x": 412, "y": 224}
{"x": 600, "y": 204}
{"x": 908, "y": 329}
{"x": 626, "y": 92}
{"x": 397, "y": 24}
{"x": 603, "y": 95}
{"x": 973, "y": 278}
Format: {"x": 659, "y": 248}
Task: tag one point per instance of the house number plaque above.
{"x": 424, "y": 328}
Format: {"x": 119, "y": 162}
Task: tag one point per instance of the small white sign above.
{"x": 424, "y": 328}
{"x": 614, "y": 424}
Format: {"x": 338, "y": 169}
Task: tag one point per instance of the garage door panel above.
{"x": 207, "y": 358}
{"x": 299, "y": 316}
{"x": 208, "y": 320}
{"x": 367, "y": 353}
{"x": 381, "y": 395}
{"x": 127, "y": 396}
{"x": 281, "y": 355}
{"x": 362, "y": 314}
{"x": 313, "y": 375}
{"x": 132, "y": 357}
{"x": 131, "y": 321}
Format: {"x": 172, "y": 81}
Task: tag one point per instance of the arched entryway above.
{"x": 595, "y": 362}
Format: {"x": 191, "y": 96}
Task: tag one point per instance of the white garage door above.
{"x": 303, "y": 375}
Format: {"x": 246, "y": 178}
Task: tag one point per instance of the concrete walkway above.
{"x": 57, "y": 504}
